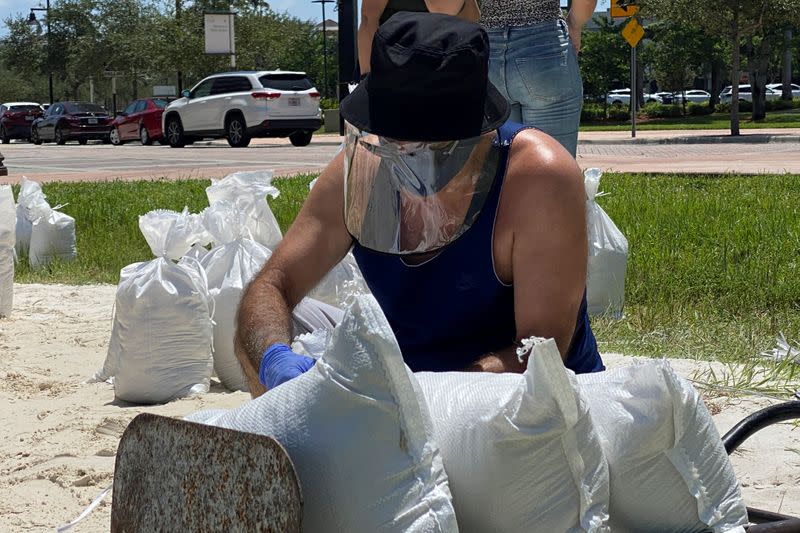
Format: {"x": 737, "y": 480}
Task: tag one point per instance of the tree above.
{"x": 677, "y": 55}
{"x": 736, "y": 20}
{"x": 604, "y": 58}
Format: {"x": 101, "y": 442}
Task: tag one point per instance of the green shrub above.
{"x": 656, "y": 110}
{"x": 619, "y": 113}
{"x": 592, "y": 113}
{"x": 696, "y": 110}
{"x": 773, "y": 105}
{"x": 744, "y": 107}
{"x": 328, "y": 103}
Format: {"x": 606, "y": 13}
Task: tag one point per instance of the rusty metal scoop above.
{"x": 173, "y": 475}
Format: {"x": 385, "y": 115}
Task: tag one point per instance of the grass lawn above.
{"x": 775, "y": 119}
{"x": 712, "y": 273}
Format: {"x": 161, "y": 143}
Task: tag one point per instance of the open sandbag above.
{"x": 249, "y": 190}
{"x": 341, "y": 283}
{"x": 608, "y": 255}
{"x": 161, "y": 339}
{"x": 357, "y": 434}
{"x": 668, "y": 468}
{"x": 7, "y": 241}
{"x": 520, "y": 451}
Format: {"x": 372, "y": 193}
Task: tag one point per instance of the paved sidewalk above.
{"x": 667, "y": 151}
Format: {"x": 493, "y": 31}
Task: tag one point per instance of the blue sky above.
{"x": 303, "y": 9}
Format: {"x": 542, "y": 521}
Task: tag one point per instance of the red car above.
{"x": 16, "y": 119}
{"x": 140, "y": 121}
{"x": 72, "y": 121}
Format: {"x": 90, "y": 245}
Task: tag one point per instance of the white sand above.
{"x": 59, "y": 435}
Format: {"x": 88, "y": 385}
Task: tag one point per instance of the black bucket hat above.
{"x": 428, "y": 81}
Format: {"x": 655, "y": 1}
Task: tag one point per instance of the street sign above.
{"x": 633, "y": 32}
{"x": 623, "y": 9}
{"x": 113, "y": 73}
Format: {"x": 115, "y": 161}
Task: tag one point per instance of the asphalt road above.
{"x": 606, "y": 150}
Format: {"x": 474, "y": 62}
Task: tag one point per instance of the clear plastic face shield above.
{"x": 414, "y": 197}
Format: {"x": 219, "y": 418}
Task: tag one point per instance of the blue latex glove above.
{"x": 280, "y": 364}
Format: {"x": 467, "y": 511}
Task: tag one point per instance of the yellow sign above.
{"x": 618, "y": 11}
{"x": 633, "y": 32}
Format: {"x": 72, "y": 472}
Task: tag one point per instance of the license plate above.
{"x": 92, "y": 121}
{"x": 29, "y": 118}
{"x": 294, "y": 102}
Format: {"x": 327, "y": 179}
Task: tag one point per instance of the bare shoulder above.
{"x": 539, "y": 168}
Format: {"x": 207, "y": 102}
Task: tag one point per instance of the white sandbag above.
{"x": 7, "y": 217}
{"x": 608, "y": 255}
{"x": 668, "y": 468}
{"x": 356, "y": 433}
{"x": 52, "y": 235}
{"x": 229, "y": 268}
{"x": 341, "y": 283}
{"x": 6, "y": 280}
{"x": 250, "y": 190}
{"x": 30, "y": 192}
{"x": 520, "y": 450}
{"x": 160, "y": 346}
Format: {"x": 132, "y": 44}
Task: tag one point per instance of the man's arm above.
{"x": 315, "y": 242}
{"x": 544, "y": 204}
{"x": 579, "y": 14}
{"x": 371, "y": 11}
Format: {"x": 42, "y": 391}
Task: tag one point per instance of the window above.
{"x": 286, "y": 82}
{"x": 231, "y": 84}
{"x": 204, "y": 89}
{"x": 141, "y": 105}
{"x": 57, "y": 109}
{"x": 23, "y": 107}
{"x": 83, "y": 107}
{"x": 161, "y": 103}
{"x": 130, "y": 108}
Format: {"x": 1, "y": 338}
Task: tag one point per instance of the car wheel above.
{"x": 35, "y": 136}
{"x": 4, "y": 135}
{"x": 144, "y": 137}
{"x": 82, "y": 141}
{"x": 58, "y": 136}
{"x": 114, "y": 137}
{"x": 616, "y": 102}
{"x": 174, "y": 133}
{"x": 300, "y": 138}
{"x": 236, "y": 132}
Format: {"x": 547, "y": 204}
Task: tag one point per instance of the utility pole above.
{"x": 178, "y": 18}
{"x": 324, "y": 46}
{"x": 347, "y": 49}
{"x": 32, "y": 20}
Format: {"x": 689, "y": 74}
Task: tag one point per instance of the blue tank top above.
{"x": 452, "y": 309}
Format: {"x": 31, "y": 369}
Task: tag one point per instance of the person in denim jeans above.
{"x": 533, "y": 61}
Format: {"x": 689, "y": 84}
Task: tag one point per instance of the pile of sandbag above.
{"x": 632, "y": 449}
{"x": 7, "y": 241}
{"x": 160, "y": 347}
{"x": 608, "y": 254}
{"x": 43, "y": 233}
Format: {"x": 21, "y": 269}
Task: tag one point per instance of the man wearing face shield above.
{"x": 470, "y": 231}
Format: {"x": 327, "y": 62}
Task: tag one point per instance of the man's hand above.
{"x": 505, "y": 360}
{"x": 280, "y": 364}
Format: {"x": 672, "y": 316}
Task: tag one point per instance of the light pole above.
{"x": 324, "y": 47}
{"x": 32, "y": 21}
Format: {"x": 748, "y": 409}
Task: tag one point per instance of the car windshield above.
{"x": 286, "y": 82}
{"x": 161, "y": 103}
{"x": 25, "y": 107}
{"x": 83, "y": 107}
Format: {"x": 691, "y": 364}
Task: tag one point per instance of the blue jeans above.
{"x": 536, "y": 68}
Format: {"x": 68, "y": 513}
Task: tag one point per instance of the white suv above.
{"x": 243, "y": 105}
{"x": 623, "y": 97}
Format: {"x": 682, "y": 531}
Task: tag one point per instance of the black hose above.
{"x": 759, "y": 420}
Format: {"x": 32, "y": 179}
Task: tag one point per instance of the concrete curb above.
{"x": 746, "y": 138}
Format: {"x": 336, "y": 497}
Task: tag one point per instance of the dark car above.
{"x": 141, "y": 121}
{"x": 16, "y": 119}
{"x": 68, "y": 121}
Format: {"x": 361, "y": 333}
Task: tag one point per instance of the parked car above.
{"x": 141, "y": 121}
{"x": 745, "y": 94}
{"x": 623, "y": 97}
{"x": 778, "y": 87}
{"x": 67, "y": 121}
{"x": 666, "y": 98}
{"x": 697, "y": 96}
{"x": 241, "y": 105}
{"x": 16, "y": 119}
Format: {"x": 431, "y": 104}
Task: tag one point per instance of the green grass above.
{"x": 774, "y": 119}
{"x": 107, "y": 221}
{"x": 712, "y": 273}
